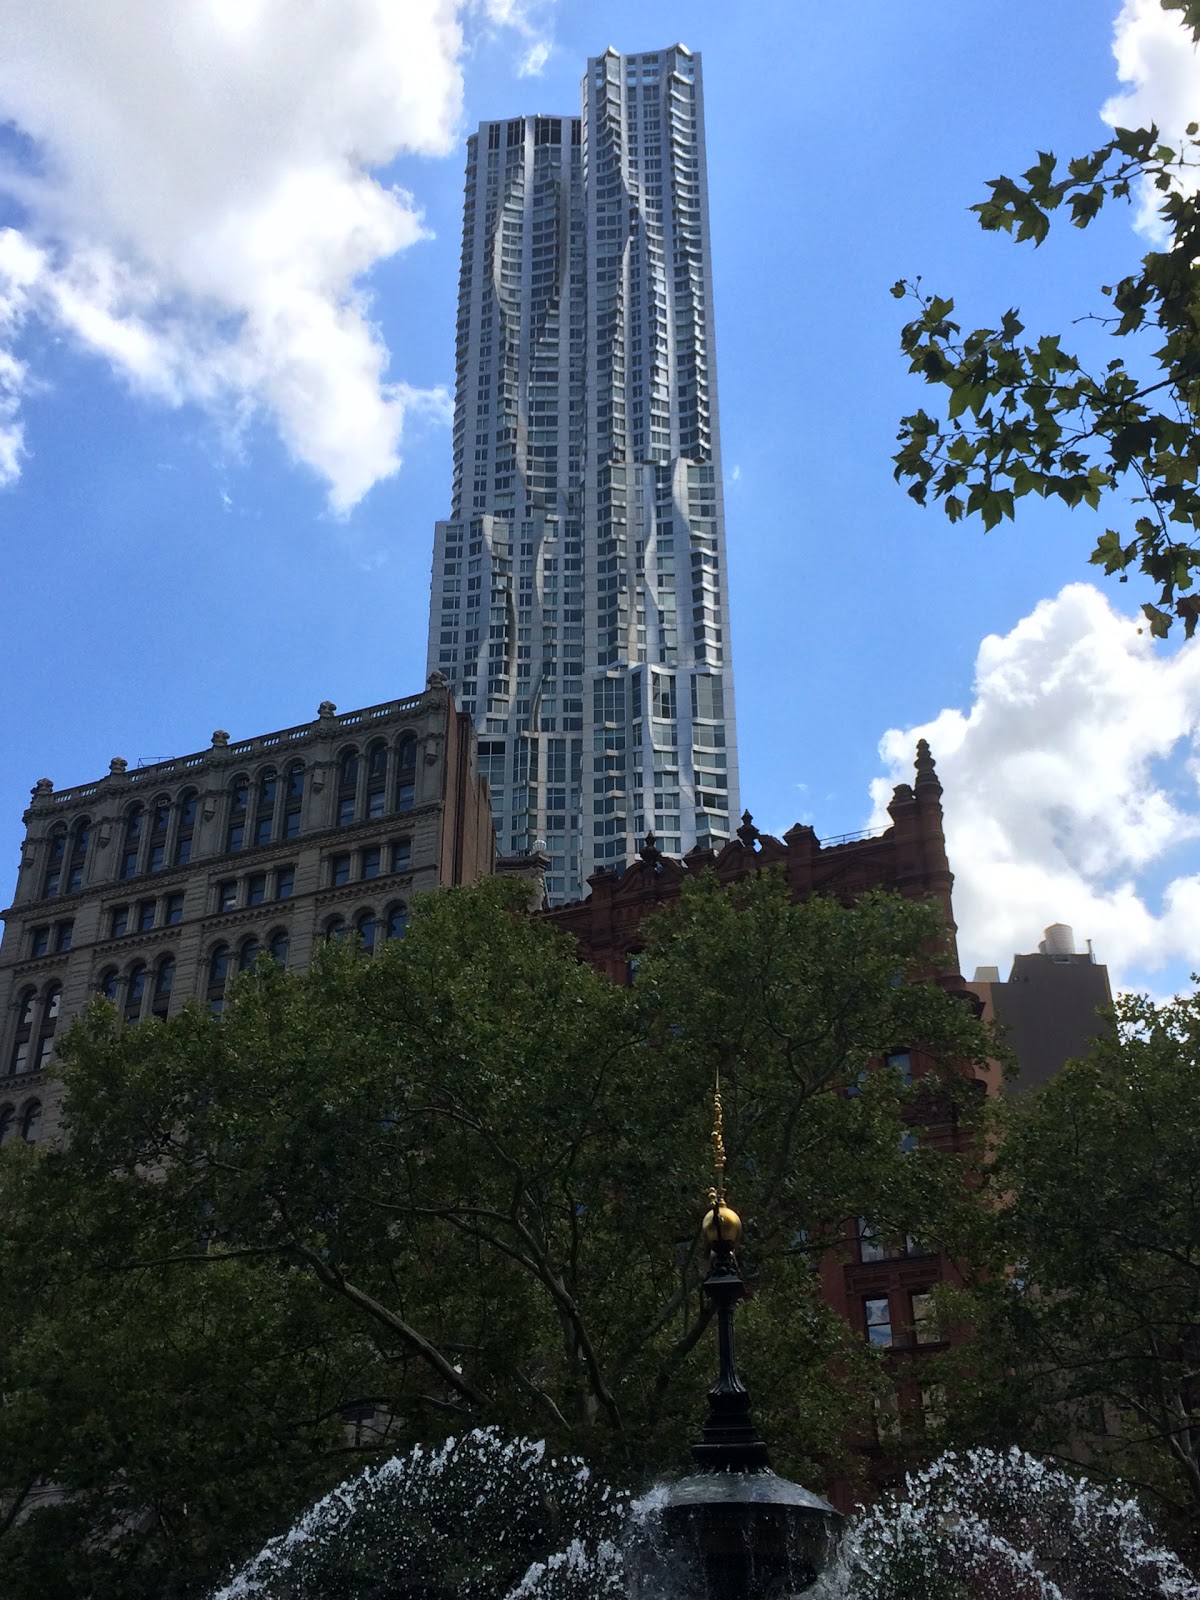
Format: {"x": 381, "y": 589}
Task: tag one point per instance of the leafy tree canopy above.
{"x": 455, "y": 1185}
{"x": 1027, "y": 417}
{"x": 1089, "y": 1346}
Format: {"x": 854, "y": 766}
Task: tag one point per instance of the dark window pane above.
{"x": 285, "y": 883}
{"x": 878, "y": 1320}
{"x": 248, "y": 955}
{"x": 397, "y": 922}
{"x": 262, "y": 830}
{"x": 58, "y": 846}
{"x": 237, "y": 832}
{"x": 39, "y": 941}
{"x": 62, "y": 935}
{"x": 145, "y": 916}
{"x": 133, "y": 824}
{"x": 279, "y": 949}
{"x": 31, "y": 1122}
{"x": 52, "y": 882}
{"x": 174, "y": 909}
{"x": 129, "y": 864}
{"x": 108, "y": 984}
{"x": 183, "y": 852}
{"x": 160, "y": 817}
{"x": 407, "y": 754}
{"x": 187, "y": 811}
{"x": 365, "y": 927}
{"x": 348, "y": 772}
{"x": 241, "y": 794}
{"x": 157, "y": 855}
{"x": 370, "y": 863}
{"x": 405, "y": 794}
{"x": 377, "y": 763}
{"x": 227, "y": 895}
{"x": 118, "y": 922}
{"x": 256, "y": 889}
{"x": 335, "y": 928}
{"x": 266, "y": 794}
{"x": 345, "y": 812}
{"x": 75, "y": 880}
{"x": 402, "y": 855}
{"x": 296, "y": 783}
{"x": 339, "y": 871}
{"x": 375, "y": 803}
{"x": 218, "y": 966}
{"x": 291, "y": 826}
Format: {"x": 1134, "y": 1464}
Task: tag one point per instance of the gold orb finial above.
{"x": 721, "y": 1226}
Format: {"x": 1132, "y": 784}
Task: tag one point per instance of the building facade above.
{"x": 579, "y": 600}
{"x": 1049, "y": 1008}
{"x": 157, "y": 885}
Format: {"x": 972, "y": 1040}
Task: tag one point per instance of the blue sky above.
{"x": 227, "y": 298}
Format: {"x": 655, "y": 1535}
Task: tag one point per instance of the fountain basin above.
{"x": 741, "y": 1536}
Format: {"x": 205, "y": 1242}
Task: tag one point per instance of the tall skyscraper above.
{"x": 579, "y": 601}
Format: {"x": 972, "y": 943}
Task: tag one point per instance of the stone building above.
{"x": 157, "y": 885}
{"x": 1049, "y": 1009}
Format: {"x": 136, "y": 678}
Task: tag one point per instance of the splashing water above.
{"x": 482, "y": 1518}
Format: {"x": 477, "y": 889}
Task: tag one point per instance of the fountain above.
{"x": 734, "y": 1530}
{"x": 459, "y": 1522}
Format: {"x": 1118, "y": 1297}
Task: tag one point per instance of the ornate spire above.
{"x": 927, "y": 777}
{"x": 748, "y": 833}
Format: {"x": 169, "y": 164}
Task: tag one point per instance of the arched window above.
{"x": 106, "y": 984}
{"x": 26, "y": 1005}
{"x": 365, "y": 928}
{"x": 51, "y": 1001}
{"x": 31, "y": 1121}
{"x": 186, "y": 830}
{"x": 264, "y": 810}
{"x": 279, "y": 947}
{"x": 397, "y": 921}
{"x": 164, "y": 982}
{"x": 247, "y": 954}
{"x": 406, "y": 773}
{"x": 52, "y": 882}
{"x": 133, "y": 841}
{"x": 8, "y": 1123}
{"x": 293, "y": 800}
{"x": 218, "y": 972}
{"x": 160, "y": 821}
{"x": 376, "y": 779}
{"x": 335, "y": 928}
{"x": 347, "y": 791}
{"x": 77, "y": 859}
{"x": 135, "y": 989}
{"x": 239, "y": 799}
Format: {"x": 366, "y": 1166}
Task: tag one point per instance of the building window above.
{"x": 133, "y": 839}
{"x": 145, "y": 915}
{"x": 31, "y": 1121}
{"x": 285, "y": 883}
{"x": 293, "y": 800}
{"x": 264, "y": 815}
{"x": 164, "y": 980}
{"x": 256, "y": 888}
{"x": 335, "y": 928}
{"x": 370, "y": 863}
{"x": 397, "y": 921}
{"x": 218, "y": 972}
{"x": 878, "y": 1322}
{"x": 900, "y": 1061}
{"x": 39, "y": 940}
{"x": 54, "y": 865}
{"x": 118, "y": 922}
{"x": 347, "y": 790}
{"x": 8, "y": 1123}
{"x": 135, "y": 990}
{"x": 63, "y": 933}
{"x": 933, "y": 1407}
{"x": 870, "y": 1246}
{"x": 51, "y": 1003}
{"x": 924, "y": 1322}
{"x": 18, "y": 1061}
{"x": 365, "y": 928}
{"x": 376, "y": 779}
{"x": 402, "y": 855}
{"x": 248, "y": 954}
{"x": 174, "y": 910}
{"x": 339, "y": 870}
{"x": 279, "y": 947}
{"x": 107, "y": 984}
{"x": 188, "y": 803}
{"x": 406, "y": 773}
{"x": 160, "y": 818}
{"x": 78, "y": 857}
{"x": 227, "y": 894}
{"x": 239, "y": 799}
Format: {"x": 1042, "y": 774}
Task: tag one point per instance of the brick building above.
{"x": 156, "y": 885}
{"x": 881, "y": 1286}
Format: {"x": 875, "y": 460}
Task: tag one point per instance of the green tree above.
{"x": 1027, "y": 417}
{"x": 456, "y": 1184}
{"x": 1089, "y": 1346}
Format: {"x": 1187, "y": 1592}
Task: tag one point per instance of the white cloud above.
{"x": 1159, "y": 63}
{"x": 202, "y": 207}
{"x": 1068, "y": 783}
